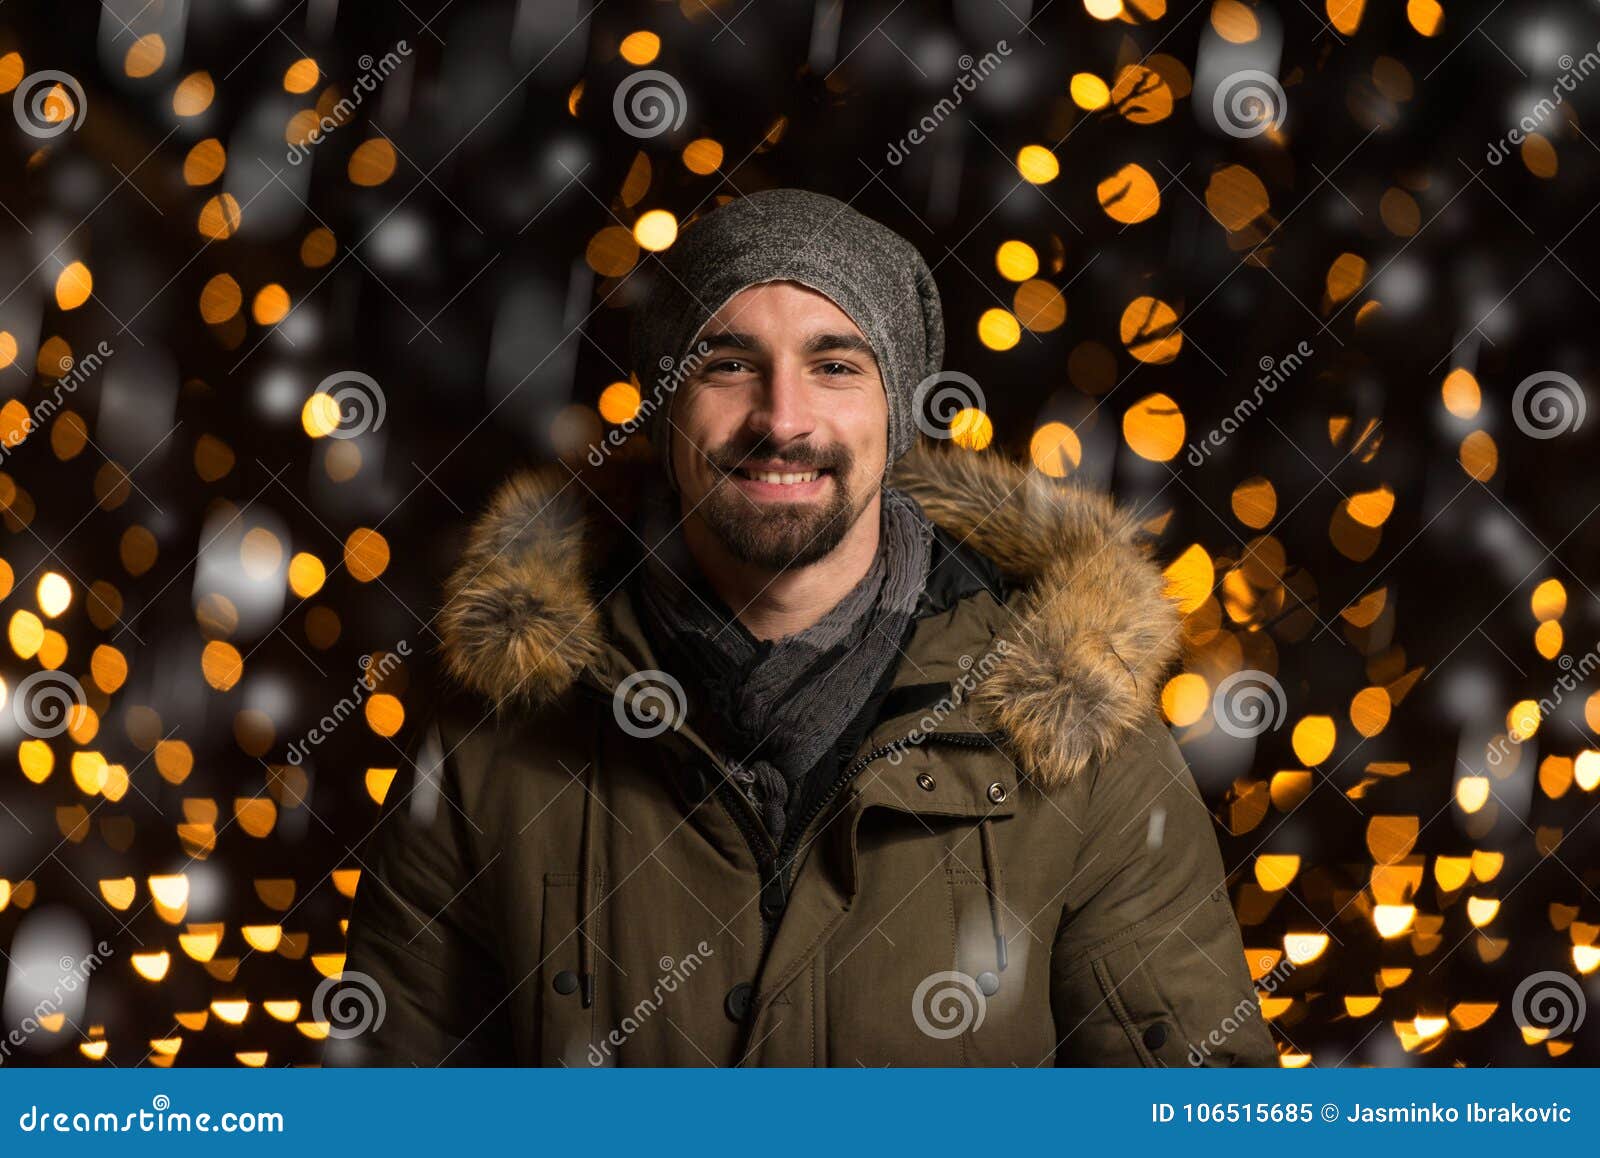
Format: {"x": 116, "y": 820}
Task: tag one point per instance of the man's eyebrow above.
{"x": 821, "y": 343}
{"x": 732, "y": 339}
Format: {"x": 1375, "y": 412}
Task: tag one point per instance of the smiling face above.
{"x": 781, "y": 437}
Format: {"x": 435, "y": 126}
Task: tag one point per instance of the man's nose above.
{"x": 785, "y": 410}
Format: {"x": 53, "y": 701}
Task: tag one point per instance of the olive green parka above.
{"x": 1012, "y": 865}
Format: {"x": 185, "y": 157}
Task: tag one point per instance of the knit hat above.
{"x": 868, "y": 270}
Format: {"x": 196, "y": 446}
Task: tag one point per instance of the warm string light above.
{"x": 1112, "y": 378}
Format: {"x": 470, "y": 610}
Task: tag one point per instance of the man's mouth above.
{"x": 780, "y": 478}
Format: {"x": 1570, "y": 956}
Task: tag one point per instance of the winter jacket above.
{"x": 1011, "y": 866}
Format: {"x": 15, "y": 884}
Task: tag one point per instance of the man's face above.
{"x": 781, "y": 436}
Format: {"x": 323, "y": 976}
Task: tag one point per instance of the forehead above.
{"x": 780, "y": 307}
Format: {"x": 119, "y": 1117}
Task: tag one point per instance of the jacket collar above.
{"x": 1075, "y": 654}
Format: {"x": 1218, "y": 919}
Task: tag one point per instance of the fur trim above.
{"x": 518, "y": 622}
{"x": 1095, "y": 630}
{"x": 1093, "y": 636}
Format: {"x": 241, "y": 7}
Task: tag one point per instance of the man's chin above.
{"x": 781, "y": 536}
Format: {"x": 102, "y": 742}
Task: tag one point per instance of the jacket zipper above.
{"x": 773, "y": 863}
{"x": 741, "y": 812}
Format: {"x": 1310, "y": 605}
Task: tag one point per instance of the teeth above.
{"x": 782, "y": 479}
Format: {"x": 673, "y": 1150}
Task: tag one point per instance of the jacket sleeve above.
{"x": 1148, "y": 965}
{"x": 419, "y": 946}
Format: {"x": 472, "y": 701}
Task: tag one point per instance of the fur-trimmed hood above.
{"x": 1093, "y": 631}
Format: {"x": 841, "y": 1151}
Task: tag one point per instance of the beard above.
{"x": 777, "y": 536}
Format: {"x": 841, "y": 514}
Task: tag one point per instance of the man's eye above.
{"x": 728, "y": 366}
{"x": 837, "y": 369}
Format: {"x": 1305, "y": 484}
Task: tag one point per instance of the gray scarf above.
{"x": 779, "y": 705}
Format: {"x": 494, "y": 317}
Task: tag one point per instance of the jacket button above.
{"x": 925, "y": 782}
{"x": 566, "y": 982}
{"x": 1155, "y": 1036}
{"x": 737, "y": 1003}
{"x": 988, "y": 983}
{"x": 997, "y": 792}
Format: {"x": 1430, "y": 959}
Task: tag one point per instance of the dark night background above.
{"x": 469, "y": 277}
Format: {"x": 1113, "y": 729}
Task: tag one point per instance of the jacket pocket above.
{"x": 566, "y": 1028}
{"x": 1011, "y": 1024}
{"x": 1148, "y": 995}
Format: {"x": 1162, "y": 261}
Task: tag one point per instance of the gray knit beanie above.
{"x": 868, "y": 270}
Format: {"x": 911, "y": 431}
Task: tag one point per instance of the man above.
{"x": 848, "y": 756}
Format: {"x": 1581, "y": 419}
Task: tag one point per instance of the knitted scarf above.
{"x": 779, "y": 705}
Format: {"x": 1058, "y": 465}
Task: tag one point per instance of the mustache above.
{"x": 734, "y": 453}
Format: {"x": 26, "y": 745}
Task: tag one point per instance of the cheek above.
{"x": 697, "y": 423}
{"x": 863, "y": 426}
{"x": 706, "y": 419}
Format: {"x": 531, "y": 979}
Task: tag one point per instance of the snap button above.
{"x": 1155, "y": 1036}
{"x": 566, "y": 982}
{"x": 997, "y": 792}
{"x": 737, "y": 1003}
{"x": 925, "y": 782}
{"x": 988, "y": 984}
